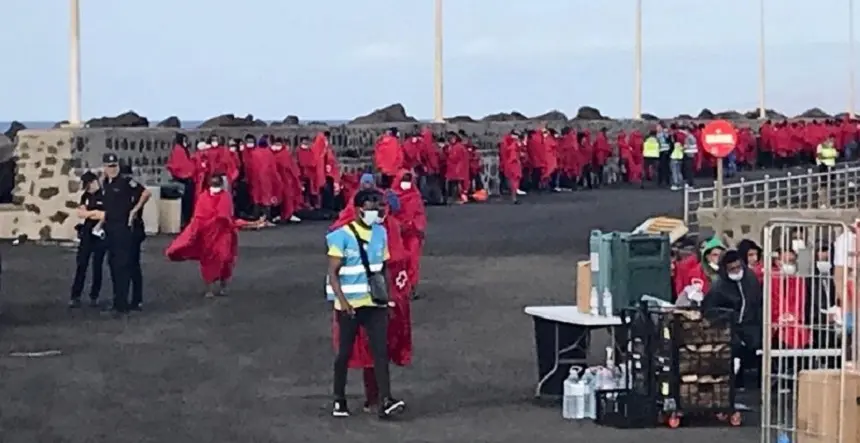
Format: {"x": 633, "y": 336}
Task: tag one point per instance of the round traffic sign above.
{"x": 719, "y": 138}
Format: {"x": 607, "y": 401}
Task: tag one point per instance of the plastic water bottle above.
{"x": 573, "y": 404}
{"x": 589, "y": 379}
{"x": 783, "y": 438}
{"x": 607, "y": 302}
{"x": 594, "y": 302}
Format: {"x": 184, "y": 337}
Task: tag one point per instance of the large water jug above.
{"x": 589, "y": 382}
{"x": 574, "y": 396}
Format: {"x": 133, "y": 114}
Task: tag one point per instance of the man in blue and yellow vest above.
{"x": 357, "y": 252}
{"x": 826, "y": 154}
{"x": 676, "y": 160}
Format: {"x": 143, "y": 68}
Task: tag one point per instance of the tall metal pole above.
{"x": 852, "y": 66}
{"x": 438, "y": 73}
{"x": 762, "y": 112}
{"x": 637, "y": 92}
{"x": 75, "y": 63}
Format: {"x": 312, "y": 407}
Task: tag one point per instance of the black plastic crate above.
{"x": 680, "y": 327}
{"x": 705, "y": 359}
{"x": 621, "y": 408}
{"x": 711, "y": 394}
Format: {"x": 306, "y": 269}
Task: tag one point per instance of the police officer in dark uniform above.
{"x": 92, "y": 244}
{"x": 138, "y": 231}
{"x": 123, "y": 200}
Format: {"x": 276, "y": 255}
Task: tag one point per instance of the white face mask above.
{"x": 305, "y": 147}
{"x": 406, "y": 186}
{"x": 214, "y": 144}
{"x": 798, "y": 245}
{"x": 789, "y": 269}
{"x": 214, "y": 190}
{"x": 736, "y": 276}
{"x": 202, "y": 146}
{"x": 233, "y": 149}
{"x": 277, "y": 147}
{"x": 824, "y": 267}
{"x": 249, "y": 145}
{"x": 714, "y": 266}
{"x": 370, "y": 217}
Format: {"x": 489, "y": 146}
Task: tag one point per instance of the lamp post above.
{"x": 438, "y": 94}
{"x": 74, "y": 63}
{"x": 637, "y": 64}
{"x": 851, "y": 64}
{"x": 762, "y": 112}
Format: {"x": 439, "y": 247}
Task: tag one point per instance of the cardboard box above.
{"x": 583, "y": 286}
{"x": 818, "y": 406}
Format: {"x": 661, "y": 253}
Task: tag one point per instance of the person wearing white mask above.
{"x": 788, "y": 262}
{"x": 738, "y": 290}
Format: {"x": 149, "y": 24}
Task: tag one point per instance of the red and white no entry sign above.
{"x": 719, "y": 138}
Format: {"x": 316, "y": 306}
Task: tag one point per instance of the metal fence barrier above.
{"x": 836, "y": 189}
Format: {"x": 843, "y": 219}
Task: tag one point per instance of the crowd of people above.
{"x": 375, "y": 243}
{"x": 809, "y": 303}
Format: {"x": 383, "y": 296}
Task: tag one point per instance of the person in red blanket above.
{"x": 510, "y": 162}
{"x": 602, "y": 152}
{"x": 457, "y": 169}
{"x": 413, "y": 224}
{"x": 291, "y": 189}
{"x": 210, "y": 239}
{"x": 182, "y": 170}
{"x": 694, "y": 275}
{"x": 261, "y": 172}
{"x": 788, "y": 302}
{"x": 476, "y": 183}
{"x": 388, "y": 157}
{"x": 399, "y": 338}
{"x": 222, "y": 161}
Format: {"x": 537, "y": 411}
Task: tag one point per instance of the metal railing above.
{"x": 836, "y": 189}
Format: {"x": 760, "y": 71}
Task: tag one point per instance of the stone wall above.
{"x": 51, "y": 161}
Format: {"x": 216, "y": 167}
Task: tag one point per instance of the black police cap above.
{"x": 110, "y": 159}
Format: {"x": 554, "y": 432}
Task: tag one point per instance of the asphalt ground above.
{"x": 256, "y": 366}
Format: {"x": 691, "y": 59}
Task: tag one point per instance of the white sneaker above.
{"x": 294, "y": 219}
{"x": 100, "y": 233}
{"x": 521, "y": 192}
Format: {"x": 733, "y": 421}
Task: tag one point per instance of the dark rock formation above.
{"x": 231, "y": 121}
{"x": 650, "y": 117}
{"x": 460, "y": 119}
{"x": 260, "y": 123}
{"x": 60, "y": 124}
{"x": 13, "y": 130}
{"x": 589, "y": 113}
{"x": 290, "y": 120}
{"x": 316, "y": 123}
{"x": 685, "y": 117}
{"x": 814, "y": 113}
{"x": 551, "y": 116}
{"x": 730, "y": 115}
{"x": 513, "y": 116}
{"x": 7, "y": 148}
{"x": 170, "y": 122}
{"x": 395, "y": 113}
{"x": 706, "y": 114}
{"x": 128, "y": 119}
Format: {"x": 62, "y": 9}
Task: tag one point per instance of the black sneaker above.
{"x": 74, "y": 303}
{"x": 136, "y": 307}
{"x": 391, "y": 407}
{"x": 340, "y": 409}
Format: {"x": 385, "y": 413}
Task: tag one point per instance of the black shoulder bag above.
{"x": 376, "y": 280}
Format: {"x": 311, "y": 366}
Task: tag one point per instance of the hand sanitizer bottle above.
{"x": 573, "y": 404}
{"x": 607, "y": 303}
{"x": 594, "y": 302}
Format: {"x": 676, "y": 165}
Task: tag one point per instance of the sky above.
{"x": 337, "y": 59}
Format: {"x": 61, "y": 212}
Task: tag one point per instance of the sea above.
{"x": 190, "y": 124}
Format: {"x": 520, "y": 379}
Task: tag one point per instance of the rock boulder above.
{"x": 13, "y": 130}
{"x": 128, "y": 119}
{"x": 170, "y": 122}
{"x": 512, "y": 116}
{"x": 230, "y": 121}
{"x": 551, "y": 116}
{"x": 460, "y": 119}
{"x": 395, "y": 113}
{"x": 814, "y": 113}
{"x": 589, "y": 113}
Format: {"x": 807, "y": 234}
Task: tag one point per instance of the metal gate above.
{"x": 805, "y": 348}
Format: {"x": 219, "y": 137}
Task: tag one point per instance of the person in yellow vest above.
{"x": 651, "y": 156}
{"x": 826, "y": 154}
{"x": 676, "y": 160}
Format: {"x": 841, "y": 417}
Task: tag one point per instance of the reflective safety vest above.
{"x": 677, "y": 152}
{"x": 651, "y": 148}
{"x": 691, "y": 146}
{"x": 664, "y": 141}
{"x": 826, "y": 154}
